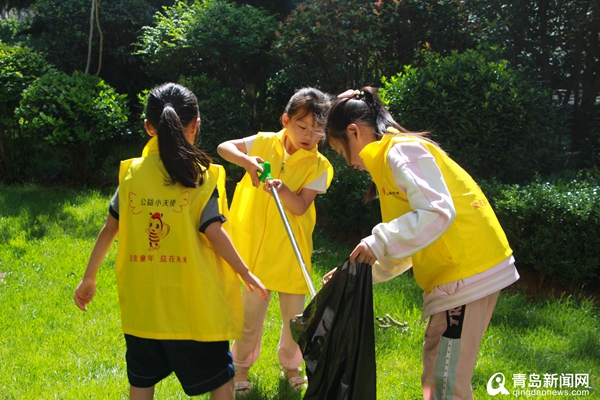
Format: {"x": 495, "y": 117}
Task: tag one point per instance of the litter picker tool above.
{"x": 263, "y": 177}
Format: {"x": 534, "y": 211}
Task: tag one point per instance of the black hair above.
{"x": 362, "y": 107}
{"x": 169, "y": 109}
{"x": 309, "y": 100}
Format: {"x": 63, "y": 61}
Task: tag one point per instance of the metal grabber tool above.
{"x": 263, "y": 177}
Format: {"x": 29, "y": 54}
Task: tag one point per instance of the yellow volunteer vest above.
{"x": 258, "y": 230}
{"x": 473, "y": 243}
{"x": 171, "y": 282}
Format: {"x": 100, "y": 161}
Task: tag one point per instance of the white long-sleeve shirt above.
{"x": 417, "y": 175}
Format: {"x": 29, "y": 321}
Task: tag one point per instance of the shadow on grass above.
{"x": 284, "y": 392}
{"x": 536, "y": 325}
{"x": 37, "y": 211}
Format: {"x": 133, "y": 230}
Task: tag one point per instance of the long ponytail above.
{"x": 170, "y": 109}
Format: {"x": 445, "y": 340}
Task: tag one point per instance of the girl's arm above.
{"x": 417, "y": 174}
{"x": 296, "y": 203}
{"x": 87, "y": 287}
{"x": 220, "y": 240}
{"x": 235, "y": 152}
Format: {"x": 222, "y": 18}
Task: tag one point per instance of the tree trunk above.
{"x": 89, "y": 57}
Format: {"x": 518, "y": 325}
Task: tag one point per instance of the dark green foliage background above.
{"x": 60, "y": 28}
{"x": 342, "y": 210}
{"x": 492, "y": 119}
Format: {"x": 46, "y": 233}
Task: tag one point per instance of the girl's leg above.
{"x": 290, "y": 356}
{"x": 224, "y": 392}
{"x": 246, "y": 350}
{"x": 137, "y": 393}
{"x": 450, "y": 348}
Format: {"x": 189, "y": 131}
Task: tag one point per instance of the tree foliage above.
{"x": 342, "y": 211}
{"x": 11, "y": 31}
{"x": 213, "y": 37}
{"x": 349, "y": 43}
{"x": 558, "y": 43}
{"x": 243, "y": 51}
{"x": 7, "y": 5}
{"x": 60, "y": 28}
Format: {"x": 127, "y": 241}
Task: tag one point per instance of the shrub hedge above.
{"x": 75, "y": 116}
{"x": 552, "y": 225}
{"x": 19, "y": 67}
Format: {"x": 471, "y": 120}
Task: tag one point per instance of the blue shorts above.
{"x": 200, "y": 366}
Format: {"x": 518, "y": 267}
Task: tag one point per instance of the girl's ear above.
{"x": 285, "y": 120}
{"x": 361, "y": 133}
{"x": 194, "y": 125}
{"x": 353, "y": 131}
{"x": 149, "y": 128}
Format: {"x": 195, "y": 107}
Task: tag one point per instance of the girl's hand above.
{"x": 328, "y": 276}
{"x": 363, "y": 253}
{"x": 252, "y": 166}
{"x": 276, "y": 183}
{"x": 348, "y": 94}
{"x": 251, "y": 282}
{"x": 84, "y": 293}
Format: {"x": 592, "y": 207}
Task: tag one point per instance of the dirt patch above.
{"x": 537, "y": 286}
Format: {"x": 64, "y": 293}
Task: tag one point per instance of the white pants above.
{"x": 246, "y": 350}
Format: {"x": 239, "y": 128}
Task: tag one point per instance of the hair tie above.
{"x": 352, "y": 94}
{"x": 168, "y": 105}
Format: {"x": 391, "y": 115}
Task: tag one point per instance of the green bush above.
{"x": 19, "y": 67}
{"x": 218, "y": 38}
{"x": 76, "y": 117}
{"x": 341, "y": 210}
{"x": 494, "y": 121}
{"x": 552, "y": 225}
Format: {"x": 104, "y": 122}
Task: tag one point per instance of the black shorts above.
{"x": 200, "y": 366}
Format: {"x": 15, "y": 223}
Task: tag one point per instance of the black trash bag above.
{"x": 337, "y": 339}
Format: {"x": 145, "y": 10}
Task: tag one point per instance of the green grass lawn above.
{"x": 49, "y": 349}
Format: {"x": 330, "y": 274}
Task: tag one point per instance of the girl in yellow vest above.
{"x": 436, "y": 218}
{"x": 300, "y": 172}
{"x": 176, "y": 265}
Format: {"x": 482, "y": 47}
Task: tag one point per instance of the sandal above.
{"x": 297, "y": 382}
{"x": 294, "y": 378}
{"x": 242, "y": 388}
